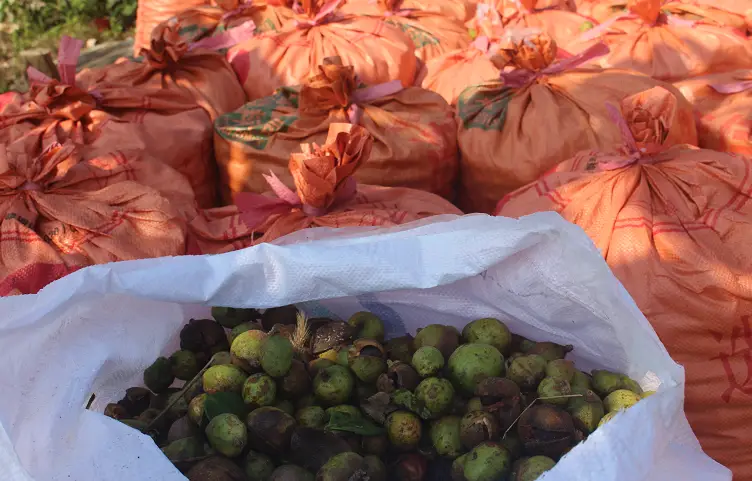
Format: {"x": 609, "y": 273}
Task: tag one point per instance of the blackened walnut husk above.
{"x": 136, "y": 400}
{"x": 116, "y": 411}
{"x": 546, "y": 430}
{"x": 399, "y": 375}
{"x": 331, "y": 335}
{"x": 409, "y": 467}
{"x": 400, "y": 349}
{"x": 216, "y": 468}
{"x": 270, "y": 430}
{"x": 501, "y": 397}
{"x": 312, "y": 448}
{"x": 204, "y": 336}
{"x": 286, "y": 315}
{"x": 296, "y": 382}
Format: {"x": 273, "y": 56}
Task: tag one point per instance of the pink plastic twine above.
{"x": 228, "y": 38}
{"x": 732, "y": 88}
{"x": 520, "y": 77}
{"x": 631, "y": 153}
{"x": 254, "y": 209}
{"x": 369, "y": 94}
{"x": 324, "y": 15}
{"x": 237, "y": 11}
{"x": 67, "y": 59}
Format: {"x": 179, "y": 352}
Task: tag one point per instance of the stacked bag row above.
{"x": 242, "y": 122}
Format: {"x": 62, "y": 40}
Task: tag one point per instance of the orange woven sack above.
{"x": 513, "y": 130}
{"x": 494, "y": 17}
{"x": 667, "y": 47}
{"x": 723, "y": 103}
{"x": 151, "y": 13}
{"x": 712, "y": 12}
{"x": 415, "y": 133}
{"x": 182, "y": 138}
{"x": 219, "y": 16}
{"x": 451, "y": 73}
{"x": 326, "y": 196}
{"x": 673, "y": 223}
{"x": 455, "y": 9}
{"x": 60, "y": 213}
{"x": 378, "y": 51}
{"x": 432, "y": 33}
{"x": 104, "y": 118}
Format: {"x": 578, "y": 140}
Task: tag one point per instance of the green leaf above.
{"x": 339, "y": 421}
{"x": 224, "y": 402}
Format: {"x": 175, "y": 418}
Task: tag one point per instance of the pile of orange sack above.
{"x": 238, "y": 122}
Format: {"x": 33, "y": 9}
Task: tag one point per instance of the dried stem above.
{"x": 181, "y": 393}
{"x": 565, "y": 396}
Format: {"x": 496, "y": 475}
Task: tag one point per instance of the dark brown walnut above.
{"x": 296, "y": 382}
{"x": 204, "y": 336}
{"x": 409, "y": 467}
{"x": 182, "y": 428}
{"x": 353, "y": 440}
{"x": 312, "y": 448}
{"x": 331, "y": 335}
{"x": 363, "y": 391}
{"x": 444, "y": 338}
{"x": 477, "y": 427}
{"x": 400, "y": 349}
{"x": 136, "y": 400}
{"x": 269, "y": 430}
{"x": 116, "y": 411}
{"x": 550, "y": 351}
{"x": 375, "y": 445}
{"x": 399, "y": 375}
{"x": 501, "y": 397}
{"x": 365, "y": 347}
{"x": 285, "y": 315}
{"x": 546, "y": 430}
{"x": 284, "y": 330}
{"x": 290, "y": 472}
{"x": 439, "y": 469}
{"x": 216, "y": 468}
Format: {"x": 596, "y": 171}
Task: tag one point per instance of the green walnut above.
{"x": 224, "y": 378}
{"x": 227, "y": 434}
{"x": 367, "y": 325}
{"x": 333, "y": 385}
{"x": 158, "y": 377}
{"x": 471, "y": 363}
{"x": 259, "y": 390}
{"x": 488, "y": 331}
{"x": 427, "y": 361}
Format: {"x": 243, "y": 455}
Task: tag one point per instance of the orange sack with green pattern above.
{"x": 61, "y": 213}
{"x": 674, "y": 223}
{"x": 379, "y": 52}
{"x": 512, "y": 130}
{"x": 667, "y": 46}
{"x": 326, "y": 195}
{"x": 219, "y": 16}
{"x": 432, "y": 33}
{"x": 723, "y": 107}
{"x": 415, "y": 134}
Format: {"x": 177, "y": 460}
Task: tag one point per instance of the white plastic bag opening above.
{"x": 96, "y": 330}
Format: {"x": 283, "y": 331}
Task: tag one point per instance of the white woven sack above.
{"x": 97, "y": 329}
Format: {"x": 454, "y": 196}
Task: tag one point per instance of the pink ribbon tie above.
{"x": 369, "y": 94}
{"x": 324, "y": 15}
{"x": 518, "y": 78}
{"x": 68, "y": 53}
{"x": 228, "y": 38}
{"x": 254, "y": 209}
{"x": 732, "y": 88}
